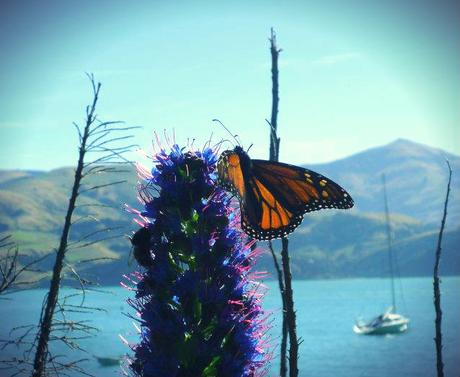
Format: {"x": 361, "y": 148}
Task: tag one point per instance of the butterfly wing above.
{"x": 230, "y": 174}
{"x": 285, "y": 193}
{"x": 263, "y": 216}
{"x": 298, "y": 189}
{"x": 274, "y": 196}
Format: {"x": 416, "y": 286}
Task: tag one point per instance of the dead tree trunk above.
{"x": 47, "y": 318}
{"x": 274, "y": 140}
{"x": 95, "y": 137}
{"x": 436, "y": 281}
{"x": 284, "y": 329}
{"x": 284, "y": 275}
{"x": 290, "y": 312}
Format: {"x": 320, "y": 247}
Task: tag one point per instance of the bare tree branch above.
{"x": 102, "y": 185}
{"x": 436, "y": 283}
{"x": 284, "y": 329}
{"x": 99, "y": 138}
{"x": 284, "y": 276}
{"x": 11, "y": 270}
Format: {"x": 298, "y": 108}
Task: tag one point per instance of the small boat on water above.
{"x": 386, "y": 323}
{"x": 389, "y": 322}
{"x": 108, "y": 361}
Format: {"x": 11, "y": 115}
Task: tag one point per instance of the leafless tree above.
{"x": 436, "y": 282}
{"x": 102, "y": 149}
{"x": 284, "y": 272}
{"x": 11, "y": 268}
{"x": 102, "y": 139}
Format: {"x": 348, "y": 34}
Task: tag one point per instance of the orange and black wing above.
{"x": 280, "y": 194}
{"x": 230, "y": 174}
{"x": 234, "y": 177}
{"x": 274, "y": 196}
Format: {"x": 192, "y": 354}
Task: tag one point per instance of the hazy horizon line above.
{"x": 400, "y": 139}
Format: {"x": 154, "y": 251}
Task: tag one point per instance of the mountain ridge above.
{"x": 328, "y": 243}
{"x": 421, "y": 195}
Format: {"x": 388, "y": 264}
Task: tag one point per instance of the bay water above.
{"x": 326, "y": 312}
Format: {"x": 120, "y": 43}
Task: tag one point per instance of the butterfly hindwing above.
{"x": 270, "y": 219}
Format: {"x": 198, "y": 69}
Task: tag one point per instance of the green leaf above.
{"x": 209, "y": 329}
{"x": 197, "y": 309}
{"x": 190, "y": 227}
{"x": 211, "y": 369}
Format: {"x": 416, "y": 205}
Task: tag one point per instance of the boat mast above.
{"x": 390, "y": 250}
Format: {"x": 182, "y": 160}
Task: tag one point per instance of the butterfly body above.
{"x": 274, "y": 196}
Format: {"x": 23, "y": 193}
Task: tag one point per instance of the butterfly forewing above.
{"x": 300, "y": 190}
{"x": 230, "y": 174}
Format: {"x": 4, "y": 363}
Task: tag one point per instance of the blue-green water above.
{"x": 326, "y": 312}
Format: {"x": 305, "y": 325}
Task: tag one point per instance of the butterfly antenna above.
{"x": 226, "y": 129}
{"x": 250, "y": 147}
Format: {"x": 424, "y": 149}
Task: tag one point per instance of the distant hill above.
{"x": 350, "y": 244}
{"x": 327, "y": 244}
{"x": 416, "y": 178}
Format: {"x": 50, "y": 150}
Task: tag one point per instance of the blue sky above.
{"x": 353, "y": 74}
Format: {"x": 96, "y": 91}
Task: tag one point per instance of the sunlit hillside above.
{"x": 327, "y": 244}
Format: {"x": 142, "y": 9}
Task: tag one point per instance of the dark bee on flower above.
{"x": 141, "y": 247}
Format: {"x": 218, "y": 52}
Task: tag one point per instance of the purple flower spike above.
{"x": 199, "y": 307}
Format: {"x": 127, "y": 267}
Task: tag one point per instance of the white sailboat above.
{"x": 386, "y": 323}
{"x": 389, "y": 322}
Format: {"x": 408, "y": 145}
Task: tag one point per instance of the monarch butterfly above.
{"x": 274, "y": 196}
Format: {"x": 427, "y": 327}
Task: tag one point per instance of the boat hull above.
{"x": 389, "y": 323}
{"x": 393, "y": 329}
